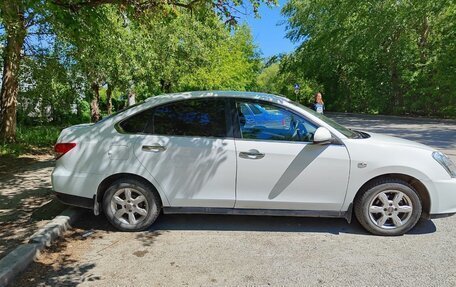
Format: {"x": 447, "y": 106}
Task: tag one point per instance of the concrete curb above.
{"x": 17, "y": 260}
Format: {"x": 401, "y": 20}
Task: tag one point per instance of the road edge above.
{"x": 20, "y": 258}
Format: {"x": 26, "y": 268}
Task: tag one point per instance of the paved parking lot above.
{"x": 195, "y": 250}
{"x": 440, "y": 134}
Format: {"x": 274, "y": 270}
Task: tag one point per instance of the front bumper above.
{"x": 443, "y": 197}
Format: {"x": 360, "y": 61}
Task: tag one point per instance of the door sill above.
{"x": 245, "y": 211}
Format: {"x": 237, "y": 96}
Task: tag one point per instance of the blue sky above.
{"x": 269, "y": 30}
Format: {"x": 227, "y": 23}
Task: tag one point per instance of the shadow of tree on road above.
{"x": 100, "y": 226}
{"x": 26, "y": 199}
{"x": 148, "y": 237}
{"x": 59, "y": 265}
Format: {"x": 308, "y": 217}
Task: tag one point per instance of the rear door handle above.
{"x": 153, "y": 148}
{"x": 251, "y": 154}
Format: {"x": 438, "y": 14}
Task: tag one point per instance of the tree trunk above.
{"x": 398, "y": 101}
{"x": 166, "y": 86}
{"x": 131, "y": 98}
{"x": 423, "y": 39}
{"x": 109, "y": 99}
{"x": 14, "y": 23}
{"x": 94, "y": 109}
{"x": 424, "y": 97}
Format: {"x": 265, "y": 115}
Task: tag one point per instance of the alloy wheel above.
{"x": 129, "y": 206}
{"x": 390, "y": 209}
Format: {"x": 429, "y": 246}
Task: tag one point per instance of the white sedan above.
{"x": 197, "y": 152}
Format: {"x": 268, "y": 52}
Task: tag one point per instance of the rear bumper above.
{"x": 75, "y": 187}
{"x": 75, "y": 200}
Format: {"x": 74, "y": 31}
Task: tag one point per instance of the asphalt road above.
{"x": 440, "y": 134}
{"x": 183, "y": 250}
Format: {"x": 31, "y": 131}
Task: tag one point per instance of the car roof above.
{"x": 212, "y": 94}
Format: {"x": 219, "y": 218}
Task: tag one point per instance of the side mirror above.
{"x": 322, "y": 136}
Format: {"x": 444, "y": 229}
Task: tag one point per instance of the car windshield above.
{"x": 343, "y": 130}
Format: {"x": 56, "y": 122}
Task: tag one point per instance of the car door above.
{"x": 187, "y": 148}
{"x": 280, "y": 168}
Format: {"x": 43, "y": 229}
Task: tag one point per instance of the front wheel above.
{"x": 130, "y": 205}
{"x": 388, "y": 207}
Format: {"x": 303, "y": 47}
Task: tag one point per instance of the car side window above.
{"x": 255, "y": 109}
{"x": 136, "y": 123}
{"x": 273, "y": 123}
{"x": 196, "y": 117}
{"x": 245, "y": 109}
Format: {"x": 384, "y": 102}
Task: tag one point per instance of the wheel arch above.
{"x": 417, "y": 185}
{"x": 104, "y": 185}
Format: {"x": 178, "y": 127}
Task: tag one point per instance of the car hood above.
{"x": 390, "y": 140}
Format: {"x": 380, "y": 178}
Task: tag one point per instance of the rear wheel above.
{"x": 131, "y": 205}
{"x": 388, "y": 207}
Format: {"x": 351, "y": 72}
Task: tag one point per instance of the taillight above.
{"x": 62, "y": 148}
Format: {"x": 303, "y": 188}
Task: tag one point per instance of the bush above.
{"x": 39, "y": 136}
{"x": 31, "y": 139}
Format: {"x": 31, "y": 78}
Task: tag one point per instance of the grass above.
{"x": 31, "y": 139}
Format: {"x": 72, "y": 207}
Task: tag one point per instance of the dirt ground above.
{"x": 61, "y": 258}
{"x": 26, "y": 200}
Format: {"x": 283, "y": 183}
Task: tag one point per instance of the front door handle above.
{"x": 153, "y": 148}
{"x": 251, "y": 154}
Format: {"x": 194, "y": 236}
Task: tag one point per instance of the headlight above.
{"x": 446, "y": 162}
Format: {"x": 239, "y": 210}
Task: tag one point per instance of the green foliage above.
{"x": 394, "y": 57}
{"x": 70, "y": 49}
{"x": 156, "y": 55}
{"x": 83, "y": 112}
{"x": 268, "y": 78}
{"x": 40, "y": 136}
{"x": 49, "y": 96}
{"x": 278, "y": 78}
{"x": 32, "y": 139}
{"x": 232, "y": 63}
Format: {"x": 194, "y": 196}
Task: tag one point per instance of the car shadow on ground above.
{"x": 203, "y": 222}
{"x": 269, "y": 224}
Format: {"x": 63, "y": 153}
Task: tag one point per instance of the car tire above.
{"x": 131, "y": 205}
{"x": 388, "y": 207}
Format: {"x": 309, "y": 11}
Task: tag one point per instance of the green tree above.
{"x": 378, "y": 56}
{"x": 118, "y": 58}
{"x": 163, "y": 55}
{"x": 20, "y": 16}
{"x": 279, "y": 76}
{"x": 232, "y": 62}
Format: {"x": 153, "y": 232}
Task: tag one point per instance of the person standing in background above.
{"x": 318, "y": 105}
